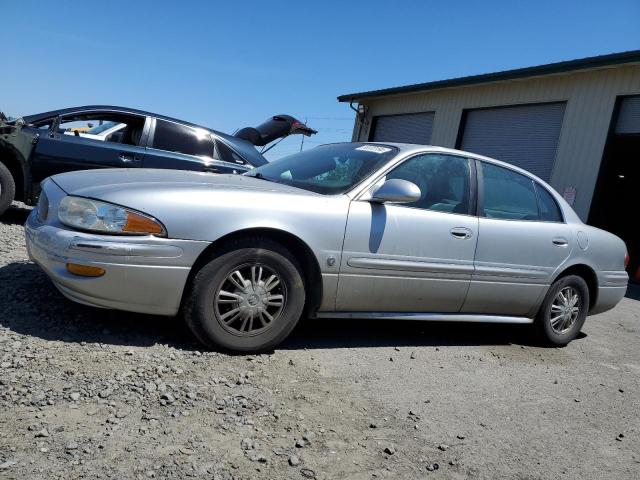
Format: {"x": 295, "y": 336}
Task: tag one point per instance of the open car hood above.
{"x": 274, "y": 128}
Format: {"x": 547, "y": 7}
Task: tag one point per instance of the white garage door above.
{"x": 525, "y": 136}
{"x": 407, "y": 128}
{"x": 629, "y": 115}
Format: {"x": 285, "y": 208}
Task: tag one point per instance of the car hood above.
{"x": 205, "y": 206}
{"x": 107, "y": 183}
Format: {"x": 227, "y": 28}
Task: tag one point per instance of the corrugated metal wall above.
{"x": 629, "y": 116}
{"x": 408, "y": 128}
{"x": 590, "y": 97}
{"x": 525, "y": 136}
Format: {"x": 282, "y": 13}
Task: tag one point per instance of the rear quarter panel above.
{"x": 602, "y": 251}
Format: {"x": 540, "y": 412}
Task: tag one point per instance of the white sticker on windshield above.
{"x": 373, "y": 148}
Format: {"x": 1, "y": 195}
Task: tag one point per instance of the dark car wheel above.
{"x": 7, "y": 188}
{"x": 563, "y": 311}
{"x": 247, "y": 299}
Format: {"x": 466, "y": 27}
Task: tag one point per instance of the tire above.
{"x": 215, "y": 308}
{"x": 556, "y": 323}
{"x": 7, "y": 188}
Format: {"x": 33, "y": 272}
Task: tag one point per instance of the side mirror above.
{"x": 396, "y": 191}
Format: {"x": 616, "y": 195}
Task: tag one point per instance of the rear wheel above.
{"x": 563, "y": 311}
{"x": 7, "y": 188}
{"x": 248, "y": 298}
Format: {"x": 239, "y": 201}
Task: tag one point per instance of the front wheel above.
{"x": 248, "y": 298}
{"x": 563, "y": 311}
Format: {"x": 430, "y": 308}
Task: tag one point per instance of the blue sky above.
{"x": 231, "y": 64}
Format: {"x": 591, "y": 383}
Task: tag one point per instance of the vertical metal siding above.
{"x": 590, "y": 98}
{"x": 629, "y": 116}
{"x": 525, "y": 136}
{"x": 409, "y": 128}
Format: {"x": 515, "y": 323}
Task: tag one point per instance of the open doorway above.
{"x": 618, "y": 189}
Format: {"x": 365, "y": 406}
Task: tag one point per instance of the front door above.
{"x": 415, "y": 257}
{"x": 522, "y": 241}
{"x": 58, "y": 152}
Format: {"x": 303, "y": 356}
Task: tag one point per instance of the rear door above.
{"x": 183, "y": 147}
{"x": 522, "y": 240}
{"x": 57, "y": 152}
{"x": 415, "y": 257}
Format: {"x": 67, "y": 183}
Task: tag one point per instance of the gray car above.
{"x": 351, "y": 230}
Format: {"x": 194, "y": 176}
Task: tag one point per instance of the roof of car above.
{"x": 418, "y": 147}
{"x": 246, "y": 148}
{"x": 113, "y": 108}
{"x": 408, "y": 148}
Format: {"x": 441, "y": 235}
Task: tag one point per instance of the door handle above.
{"x": 461, "y": 233}
{"x": 560, "y": 241}
{"x": 127, "y": 157}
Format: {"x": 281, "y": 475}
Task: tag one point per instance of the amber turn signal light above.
{"x": 85, "y": 270}
{"x": 141, "y": 224}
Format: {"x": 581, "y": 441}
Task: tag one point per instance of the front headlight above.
{"x": 102, "y": 217}
{"x": 43, "y": 207}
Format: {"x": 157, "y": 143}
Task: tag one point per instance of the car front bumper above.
{"x": 142, "y": 274}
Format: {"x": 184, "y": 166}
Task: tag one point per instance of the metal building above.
{"x": 576, "y": 124}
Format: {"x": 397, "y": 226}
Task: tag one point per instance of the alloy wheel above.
{"x": 565, "y": 309}
{"x": 250, "y": 299}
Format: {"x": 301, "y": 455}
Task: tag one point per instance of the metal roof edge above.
{"x": 610, "y": 59}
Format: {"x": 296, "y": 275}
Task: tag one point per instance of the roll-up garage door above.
{"x": 406, "y": 128}
{"x": 525, "y": 135}
{"x": 629, "y": 115}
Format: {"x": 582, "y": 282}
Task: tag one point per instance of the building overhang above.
{"x": 600, "y": 61}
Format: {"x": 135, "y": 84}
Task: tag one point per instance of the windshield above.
{"x": 329, "y": 169}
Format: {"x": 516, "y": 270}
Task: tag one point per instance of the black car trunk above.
{"x": 276, "y": 127}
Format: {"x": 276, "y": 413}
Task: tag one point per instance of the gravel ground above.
{"x": 89, "y": 393}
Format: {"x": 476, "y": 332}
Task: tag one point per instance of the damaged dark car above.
{"x": 35, "y": 147}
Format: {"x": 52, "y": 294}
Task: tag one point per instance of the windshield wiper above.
{"x": 260, "y": 176}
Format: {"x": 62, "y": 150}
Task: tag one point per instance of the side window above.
{"x": 443, "y": 181}
{"x": 507, "y": 194}
{"x": 103, "y": 126}
{"x": 228, "y": 155}
{"x": 549, "y": 210}
{"x": 173, "y": 137}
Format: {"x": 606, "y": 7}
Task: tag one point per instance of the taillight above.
{"x": 626, "y": 259}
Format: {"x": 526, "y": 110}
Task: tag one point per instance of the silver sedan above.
{"x": 352, "y": 230}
